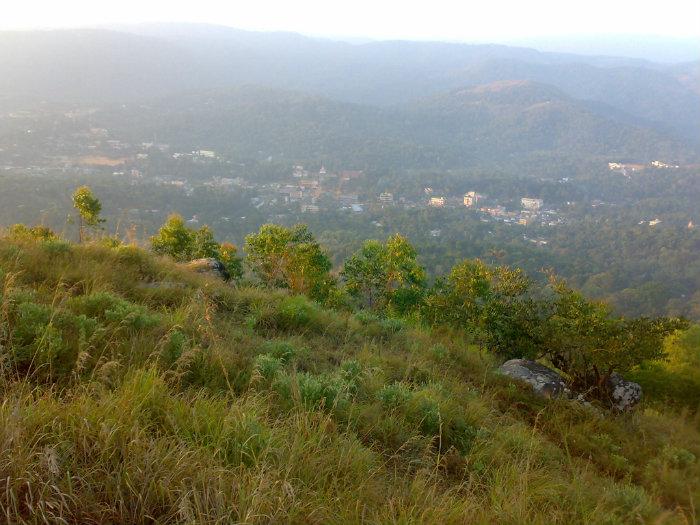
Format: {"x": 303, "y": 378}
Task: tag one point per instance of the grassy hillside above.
{"x": 134, "y": 391}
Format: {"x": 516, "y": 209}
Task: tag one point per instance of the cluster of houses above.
{"x": 628, "y": 169}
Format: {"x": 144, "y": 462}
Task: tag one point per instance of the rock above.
{"x": 544, "y": 381}
{"x": 624, "y": 394}
{"x": 209, "y": 266}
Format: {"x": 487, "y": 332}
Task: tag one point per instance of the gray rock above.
{"x": 544, "y": 381}
{"x": 209, "y": 266}
{"x": 624, "y": 394}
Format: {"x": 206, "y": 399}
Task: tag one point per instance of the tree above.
{"x": 289, "y": 258}
{"x": 228, "y": 255}
{"x": 185, "y": 244}
{"x": 175, "y": 239}
{"x": 584, "y": 340}
{"x": 89, "y": 208}
{"x": 493, "y": 303}
{"x": 385, "y": 276}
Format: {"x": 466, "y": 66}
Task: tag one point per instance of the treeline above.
{"x": 501, "y": 308}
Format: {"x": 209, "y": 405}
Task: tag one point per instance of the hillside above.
{"x": 483, "y": 124}
{"x": 145, "y": 62}
{"x": 136, "y": 391}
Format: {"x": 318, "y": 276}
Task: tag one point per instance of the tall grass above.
{"x": 136, "y": 392}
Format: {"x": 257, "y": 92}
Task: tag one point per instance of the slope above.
{"x": 461, "y": 128}
{"x": 101, "y": 65}
{"x": 135, "y": 391}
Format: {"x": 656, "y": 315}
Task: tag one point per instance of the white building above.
{"x": 471, "y": 199}
{"x": 531, "y": 204}
{"x": 386, "y": 198}
{"x": 437, "y": 202}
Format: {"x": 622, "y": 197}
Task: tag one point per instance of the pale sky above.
{"x": 464, "y": 20}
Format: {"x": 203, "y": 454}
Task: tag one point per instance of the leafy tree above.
{"x": 184, "y": 244}
{"x": 175, "y": 239}
{"x": 89, "y": 208}
{"x": 385, "y": 276}
{"x": 204, "y": 244}
{"x": 493, "y": 303}
{"x": 228, "y": 255}
{"x": 583, "y": 339}
{"x": 290, "y": 258}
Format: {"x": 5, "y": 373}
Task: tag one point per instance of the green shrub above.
{"x": 38, "y": 233}
{"x": 395, "y": 395}
{"x": 55, "y": 247}
{"x": 174, "y": 346}
{"x": 282, "y": 350}
{"x": 268, "y": 366}
{"x": 115, "y": 310}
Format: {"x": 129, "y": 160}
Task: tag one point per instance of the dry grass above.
{"x": 190, "y": 401}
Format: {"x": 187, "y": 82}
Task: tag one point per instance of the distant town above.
{"x": 89, "y": 150}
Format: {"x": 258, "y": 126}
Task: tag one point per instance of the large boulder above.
{"x": 624, "y": 394}
{"x": 544, "y": 381}
{"x": 209, "y": 266}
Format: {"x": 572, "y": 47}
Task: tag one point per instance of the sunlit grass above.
{"x": 136, "y": 392}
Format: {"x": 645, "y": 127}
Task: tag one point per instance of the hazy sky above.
{"x": 463, "y": 20}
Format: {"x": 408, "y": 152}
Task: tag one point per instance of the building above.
{"x": 531, "y": 204}
{"x": 437, "y": 202}
{"x": 349, "y": 175}
{"x": 659, "y": 164}
{"x": 207, "y": 154}
{"x": 348, "y": 199}
{"x": 386, "y": 198}
{"x": 471, "y": 199}
{"x": 309, "y": 208}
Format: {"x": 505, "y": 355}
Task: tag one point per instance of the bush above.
{"x": 115, "y": 310}
{"x": 268, "y": 366}
{"x": 282, "y": 350}
{"x": 37, "y": 233}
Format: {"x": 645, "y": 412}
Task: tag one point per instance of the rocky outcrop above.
{"x": 209, "y": 266}
{"x": 544, "y": 381}
{"x": 624, "y": 394}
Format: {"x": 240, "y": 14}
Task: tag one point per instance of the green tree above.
{"x": 493, "y": 303}
{"x": 175, "y": 239}
{"x": 89, "y": 208}
{"x": 228, "y": 255}
{"x": 185, "y": 244}
{"x": 385, "y": 276}
{"x": 289, "y": 258}
{"x": 587, "y": 342}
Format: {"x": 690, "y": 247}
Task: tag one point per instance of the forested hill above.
{"x": 97, "y": 66}
{"x": 484, "y": 124}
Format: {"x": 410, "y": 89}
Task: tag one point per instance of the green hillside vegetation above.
{"x": 136, "y": 391}
{"x": 472, "y": 125}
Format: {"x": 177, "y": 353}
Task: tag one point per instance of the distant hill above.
{"x": 474, "y": 125}
{"x": 98, "y": 66}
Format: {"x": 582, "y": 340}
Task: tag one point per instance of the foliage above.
{"x": 385, "y": 276}
{"x": 41, "y": 233}
{"x": 134, "y": 405}
{"x": 491, "y": 302}
{"x": 89, "y": 208}
{"x": 290, "y": 258}
{"x": 584, "y": 340}
{"x": 185, "y": 244}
